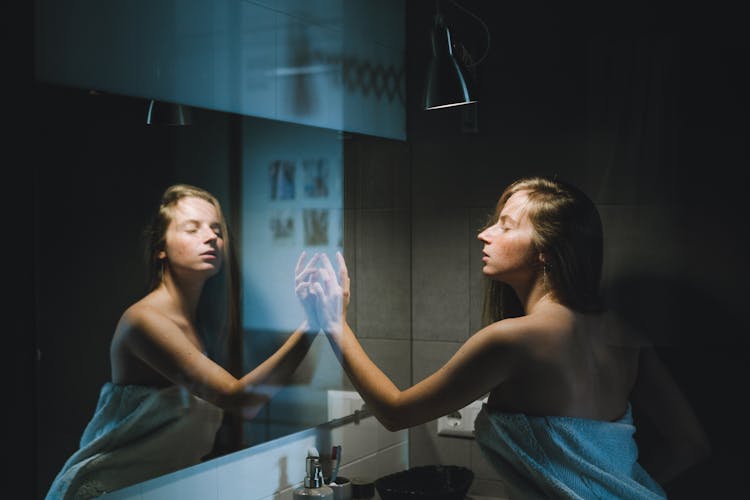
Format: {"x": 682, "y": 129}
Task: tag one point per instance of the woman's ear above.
{"x": 161, "y": 255}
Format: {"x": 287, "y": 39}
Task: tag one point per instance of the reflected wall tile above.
{"x": 327, "y": 371}
{"x": 384, "y": 20}
{"x": 308, "y": 73}
{"x": 373, "y": 79}
{"x": 440, "y": 279}
{"x": 383, "y": 285}
{"x": 329, "y": 13}
{"x": 253, "y": 62}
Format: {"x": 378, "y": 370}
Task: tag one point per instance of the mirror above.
{"x": 99, "y": 170}
{"x": 297, "y": 125}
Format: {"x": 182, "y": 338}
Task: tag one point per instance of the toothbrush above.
{"x": 335, "y": 455}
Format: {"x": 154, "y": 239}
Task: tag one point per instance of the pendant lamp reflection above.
{"x": 167, "y": 113}
{"x": 447, "y": 83}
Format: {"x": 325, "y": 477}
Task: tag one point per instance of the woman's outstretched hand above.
{"x": 324, "y": 293}
{"x": 303, "y": 276}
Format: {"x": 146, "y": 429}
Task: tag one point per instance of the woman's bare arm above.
{"x": 159, "y": 342}
{"x": 484, "y": 361}
{"x": 480, "y": 364}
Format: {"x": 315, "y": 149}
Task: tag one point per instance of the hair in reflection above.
{"x": 568, "y": 232}
{"x": 218, "y": 312}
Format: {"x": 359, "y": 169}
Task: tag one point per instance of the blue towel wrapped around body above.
{"x": 564, "y": 457}
{"x": 137, "y": 433}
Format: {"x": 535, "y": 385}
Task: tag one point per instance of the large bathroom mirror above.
{"x": 301, "y": 137}
{"x": 285, "y": 187}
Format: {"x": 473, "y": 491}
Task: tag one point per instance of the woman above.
{"x": 560, "y": 371}
{"x": 164, "y": 404}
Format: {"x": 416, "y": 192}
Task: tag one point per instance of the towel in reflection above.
{"x": 564, "y": 457}
{"x": 137, "y": 433}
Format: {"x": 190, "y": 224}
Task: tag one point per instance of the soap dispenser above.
{"x": 314, "y": 487}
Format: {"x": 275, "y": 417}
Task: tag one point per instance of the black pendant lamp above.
{"x": 167, "y": 113}
{"x": 447, "y": 82}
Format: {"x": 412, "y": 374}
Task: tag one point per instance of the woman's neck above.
{"x": 534, "y": 294}
{"x": 184, "y": 294}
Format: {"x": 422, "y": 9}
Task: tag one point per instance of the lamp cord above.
{"x": 486, "y": 30}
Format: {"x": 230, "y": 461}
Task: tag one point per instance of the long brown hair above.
{"x": 567, "y": 231}
{"x": 218, "y": 312}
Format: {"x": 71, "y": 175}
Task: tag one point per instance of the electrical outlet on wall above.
{"x": 460, "y": 423}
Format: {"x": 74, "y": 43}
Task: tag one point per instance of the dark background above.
{"x": 643, "y": 104}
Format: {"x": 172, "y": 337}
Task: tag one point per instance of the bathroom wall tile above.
{"x": 393, "y": 459}
{"x": 426, "y": 447}
{"x": 429, "y": 356}
{"x": 379, "y": 171}
{"x": 478, "y": 219}
{"x": 383, "y": 286}
{"x": 479, "y": 464}
{"x": 443, "y": 181}
{"x": 387, "y": 439}
{"x": 391, "y": 356}
{"x": 440, "y": 269}
{"x": 387, "y": 461}
{"x": 362, "y": 467}
{"x": 358, "y": 439}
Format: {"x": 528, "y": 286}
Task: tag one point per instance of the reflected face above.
{"x": 508, "y": 253}
{"x": 194, "y": 241}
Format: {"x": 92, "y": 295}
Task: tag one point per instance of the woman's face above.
{"x": 194, "y": 241}
{"x": 508, "y": 253}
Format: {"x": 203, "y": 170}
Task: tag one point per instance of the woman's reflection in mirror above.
{"x": 168, "y": 392}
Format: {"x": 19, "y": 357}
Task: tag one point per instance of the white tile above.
{"x": 358, "y": 439}
{"x": 393, "y": 459}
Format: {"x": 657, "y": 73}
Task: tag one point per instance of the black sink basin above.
{"x": 428, "y": 482}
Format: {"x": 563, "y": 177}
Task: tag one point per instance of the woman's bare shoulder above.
{"x": 141, "y": 317}
{"x": 534, "y": 328}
